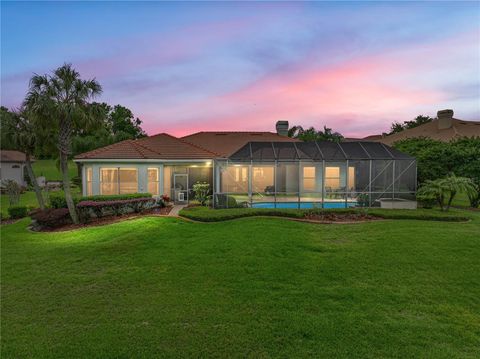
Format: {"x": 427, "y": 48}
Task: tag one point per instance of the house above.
{"x": 444, "y": 128}
{"x": 12, "y": 166}
{"x": 257, "y": 169}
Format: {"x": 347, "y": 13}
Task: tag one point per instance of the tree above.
{"x": 311, "y": 134}
{"x": 444, "y": 190}
{"x": 116, "y": 124}
{"x": 7, "y": 123}
{"x": 124, "y": 125}
{"x": 25, "y": 135}
{"x": 63, "y": 101}
{"x": 417, "y": 121}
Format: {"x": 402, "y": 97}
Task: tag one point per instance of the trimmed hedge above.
{"x": 115, "y": 197}
{"x": 57, "y": 199}
{"x": 97, "y": 209}
{"x": 205, "y": 214}
{"x": 17, "y": 211}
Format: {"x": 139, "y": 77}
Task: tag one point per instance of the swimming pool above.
{"x": 303, "y": 205}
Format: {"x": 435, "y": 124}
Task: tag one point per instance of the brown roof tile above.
{"x": 226, "y": 143}
{"x": 12, "y": 156}
{"x": 459, "y": 129}
{"x": 161, "y": 146}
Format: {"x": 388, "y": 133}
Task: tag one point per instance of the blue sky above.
{"x": 184, "y": 67}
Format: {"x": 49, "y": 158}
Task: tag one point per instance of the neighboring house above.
{"x": 444, "y": 128}
{"x": 258, "y": 169}
{"x": 12, "y": 166}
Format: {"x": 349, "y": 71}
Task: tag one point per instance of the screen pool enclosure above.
{"x": 319, "y": 174}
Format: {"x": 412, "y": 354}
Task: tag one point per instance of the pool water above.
{"x": 304, "y": 205}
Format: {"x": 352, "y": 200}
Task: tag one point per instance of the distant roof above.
{"x": 12, "y": 156}
{"x": 459, "y": 128}
{"x": 161, "y": 146}
{"x": 226, "y": 143}
{"x": 317, "y": 151}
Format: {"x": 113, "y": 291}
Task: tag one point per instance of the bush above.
{"x": 13, "y": 191}
{"x": 57, "y": 200}
{"x": 17, "y": 211}
{"x": 201, "y": 191}
{"x": 51, "y": 218}
{"x": 426, "y": 201}
{"x": 225, "y": 201}
{"x": 97, "y": 209}
{"x": 114, "y": 197}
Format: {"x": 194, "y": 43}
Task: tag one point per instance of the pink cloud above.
{"x": 358, "y": 97}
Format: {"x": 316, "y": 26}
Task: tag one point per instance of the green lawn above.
{"x": 48, "y": 169}
{"x": 27, "y": 198}
{"x": 251, "y": 287}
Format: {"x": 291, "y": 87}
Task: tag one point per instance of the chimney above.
{"x": 444, "y": 119}
{"x": 282, "y": 128}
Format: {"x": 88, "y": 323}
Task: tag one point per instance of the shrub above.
{"x": 51, "y": 218}
{"x": 225, "y": 201}
{"x": 165, "y": 198}
{"x": 201, "y": 191}
{"x": 13, "y": 191}
{"x": 97, "y": 209}
{"x": 363, "y": 200}
{"x": 426, "y": 201}
{"x": 57, "y": 200}
{"x": 114, "y": 197}
{"x": 17, "y": 211}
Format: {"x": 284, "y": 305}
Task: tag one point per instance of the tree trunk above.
{"x": 66, "y": 187}
{"x": 450, "y": 200}
{"x": 36, "y": 187}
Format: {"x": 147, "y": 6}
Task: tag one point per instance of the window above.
{"x": 235, "y": 179}
{"x": 109, "y": 181}
{"x": 332, "y": 177}
{"x": 263, "y": 180}
{"x": 128, "y": 180}
{"x": 89, "y": 181}
{"x": 152, "y": 175}
{"x": 118, "y": 180}
{"x": 351, "y": 178}
{"x": 309, "y": 179}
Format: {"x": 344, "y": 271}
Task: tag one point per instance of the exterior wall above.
{"x": 8, "y": 171}
{"x": 164, "y": 168}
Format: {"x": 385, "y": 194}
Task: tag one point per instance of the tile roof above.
{"x": 226, "y": 143}
{"x": 459, "y": 129}
{"x": 12, "y": 156}
{"x": 161, "y": 146}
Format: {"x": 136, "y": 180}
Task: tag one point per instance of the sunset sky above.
{"x": 186, "y": 67}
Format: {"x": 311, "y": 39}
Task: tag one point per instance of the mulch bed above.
{"x": 340, "y": 217}
{"x": 108, "y": 220}
{"x": 9, "y": 221}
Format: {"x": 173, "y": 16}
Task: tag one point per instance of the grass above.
{"x": 254, "y": 287}
{"x": 49, "y": 169}
{"x": 205, "y": 214}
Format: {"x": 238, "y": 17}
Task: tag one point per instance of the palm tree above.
{"x": 25, "y": 134}
{"x": 444, "y": 190}
{"x": 453, "y": 184}
{"x": 63, "y": 101}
